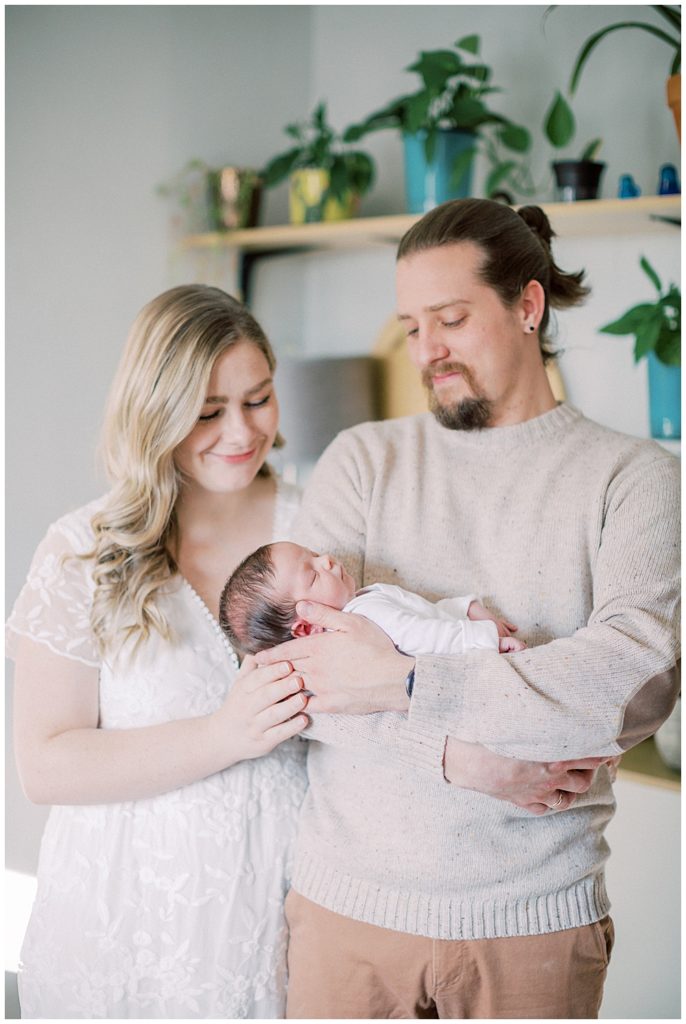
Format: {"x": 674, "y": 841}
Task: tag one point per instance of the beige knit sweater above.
{"x": 571, "y": 531}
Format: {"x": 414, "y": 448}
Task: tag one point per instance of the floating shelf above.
{"x": 570, "y": 220}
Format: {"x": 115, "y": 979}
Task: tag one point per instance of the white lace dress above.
{"x": 170, "y": 907}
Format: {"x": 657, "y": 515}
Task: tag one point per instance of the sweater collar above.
{"x": 540, "y": 428}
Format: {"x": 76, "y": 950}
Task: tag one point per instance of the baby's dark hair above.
{"x": 251, "y": 615}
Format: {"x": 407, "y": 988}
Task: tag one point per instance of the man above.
{"x": 412, "y": 898}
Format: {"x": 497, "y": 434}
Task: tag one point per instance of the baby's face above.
{"x": 301, "y": 575}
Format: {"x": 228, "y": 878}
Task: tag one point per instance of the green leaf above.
{"x": 590, "y": 150}
{"x": 481, "y": 72}
{"x": 417, "y": 112}
{"x": 646, "y": 267}
{"x": 514, "y": 137}
{"x": 436, "y": 67}
{"x": 360, "y": 170}
{"x": 559, "y": 124}
{"x": 468, "y": 112}
{"x": 668, "y": 347}
{"x": 498, "y": 174}
{"x": 631, "y": 321}
{"x": 338, "y": 178}
{"x": 593, "y": 41}
{"x": 460, "y": 166}
{"x": 280, "y": 167}
{"x": 647, "y": 335}
{"x": 469, "y": 43}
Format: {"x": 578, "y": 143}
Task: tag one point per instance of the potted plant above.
{"x": 326, "y": 178}
{"x": 656, "y": 326}
{"x": 672, "y": 15}
{"x": 576, "y": 178}
{"x": 215, "y": 198}
{"x": 443, "y": 124}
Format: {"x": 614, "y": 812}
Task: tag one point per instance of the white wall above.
{"x": 103, "y": 103}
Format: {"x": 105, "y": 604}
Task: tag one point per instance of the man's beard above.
{"x": 466, "y": 414}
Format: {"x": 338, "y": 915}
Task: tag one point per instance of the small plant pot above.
{"x": 664, "y": 387}
{"x": 308, "y": 200}
{"x": 235, "y": 196}
{"x": 577, "y": 179}
{"x": 429, "y": 184}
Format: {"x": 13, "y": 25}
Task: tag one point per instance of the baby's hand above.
{"x": 508, "y": 644}
{"x": 477, "y": 613}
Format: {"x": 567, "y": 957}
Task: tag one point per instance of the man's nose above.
{"x": 427, "y": 347}
{"x": 326, "y": 561}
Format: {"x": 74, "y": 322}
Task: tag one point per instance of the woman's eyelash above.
{"x": 210, "y": 416}
{"x": 262, "y": 401}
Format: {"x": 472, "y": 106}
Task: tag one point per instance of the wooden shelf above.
{"x": 644, "y": 764}
{"x": 570, "y": 220}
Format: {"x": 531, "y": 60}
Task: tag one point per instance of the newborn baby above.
{"x": 257, "y": 607}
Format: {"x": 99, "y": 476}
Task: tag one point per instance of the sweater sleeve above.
{"x": 611, "y": 684}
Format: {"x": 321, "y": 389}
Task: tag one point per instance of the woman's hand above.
{"x": 352, "y": 668}
{"x": 261, "y": 709}
{"x": 535, "y": 786}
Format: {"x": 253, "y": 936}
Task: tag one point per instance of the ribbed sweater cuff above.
{"x": 432, "y": 676}
{"x": 423, "y": 747}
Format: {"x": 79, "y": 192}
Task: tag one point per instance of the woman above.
{"x": 174, "y": 777}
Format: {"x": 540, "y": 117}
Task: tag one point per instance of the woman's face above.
{"x": 237, "y": 424}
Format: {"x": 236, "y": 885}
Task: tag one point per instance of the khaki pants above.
{"x": 344, "y": 968}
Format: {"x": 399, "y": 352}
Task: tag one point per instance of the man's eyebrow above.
{"x": 436, "y": 307}
{"x": 222, "y": 399}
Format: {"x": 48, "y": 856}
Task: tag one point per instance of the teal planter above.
{"x": 429, "y": 185}
{"x": 664, "y": 386}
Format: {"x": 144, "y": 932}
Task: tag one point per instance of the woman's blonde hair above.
{"x": 156, "y": 398}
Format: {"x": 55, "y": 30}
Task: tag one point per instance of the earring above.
{"x": 531, "y": 328}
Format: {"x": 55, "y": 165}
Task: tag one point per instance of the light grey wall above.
{"x": 103, "y": 103}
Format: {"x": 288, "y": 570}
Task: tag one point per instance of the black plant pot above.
{"x": 577, "y": 179}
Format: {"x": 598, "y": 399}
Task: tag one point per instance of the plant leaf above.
{"x": 469, "y": 43}
{"x": 559, "y": 123}
{"x": 417, "y": 112}
{"x": 436, "y": 67}
{"x": 646, "y": 267}
{"x": 468, "y": 112}
{"x": 514, "y": 137}
{"x": 280, "y": 167}
{"x": 498, "y": 174}
{"x": 631, "y": 321}
{"x": 593, "y": 41}
{"x": 460, "y": 166}
{"x": 590, "y": 150}
{"x": 647, "y": 335}
{"x": 668, "y": 347}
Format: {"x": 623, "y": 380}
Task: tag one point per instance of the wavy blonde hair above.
{"x": 156, "y": 398}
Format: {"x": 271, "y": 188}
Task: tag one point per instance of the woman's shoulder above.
{"x": 74, "y": 530}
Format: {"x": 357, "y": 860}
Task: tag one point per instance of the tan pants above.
{"x": 344, "y": 968}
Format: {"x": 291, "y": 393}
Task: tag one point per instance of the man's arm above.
{"x": 611, "y": 684}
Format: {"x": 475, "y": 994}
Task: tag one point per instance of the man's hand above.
{"x": 535, "y": 786}
{"x": 353, "y": 668}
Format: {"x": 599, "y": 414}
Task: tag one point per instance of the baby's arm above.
{"x": 507, "y": 643}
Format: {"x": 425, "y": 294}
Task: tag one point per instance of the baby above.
{"x": 257, "y": 607}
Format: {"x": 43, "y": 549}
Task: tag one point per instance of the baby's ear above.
{"x": 302, "y": 628}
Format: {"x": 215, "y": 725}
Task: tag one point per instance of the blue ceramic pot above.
{"x": 428, "y": 185}
{"x": 664, "y": 386}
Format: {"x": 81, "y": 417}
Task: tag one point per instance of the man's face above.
{"x": 468, "y": 345}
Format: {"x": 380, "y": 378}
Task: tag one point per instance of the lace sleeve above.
{"x": 53, "y": 607}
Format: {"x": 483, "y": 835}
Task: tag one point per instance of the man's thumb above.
{"x": 321, "y": 615}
